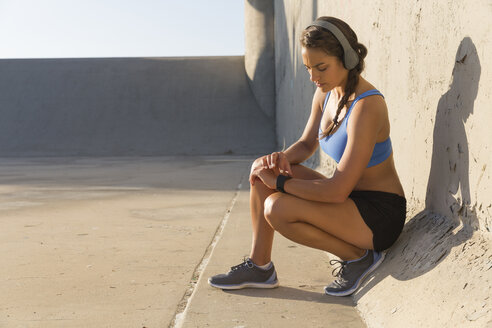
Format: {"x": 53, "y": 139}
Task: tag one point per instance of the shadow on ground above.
{"x": 290, "y": 293}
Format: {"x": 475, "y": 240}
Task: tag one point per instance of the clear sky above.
{"x": 120, "y": 28}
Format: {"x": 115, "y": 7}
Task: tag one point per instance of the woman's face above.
{"x": 325, "y": 70}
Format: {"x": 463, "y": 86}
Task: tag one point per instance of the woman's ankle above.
{"x": 260, "y": 261}
{"x": 356, "y": 255}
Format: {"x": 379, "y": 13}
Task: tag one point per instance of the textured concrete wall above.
{"x": 294, "y": 90}
{"x": 130, "y": 106}
{"x": 431, "y": 60}
{"x": 259, "y": 52}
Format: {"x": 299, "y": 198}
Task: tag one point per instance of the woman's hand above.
{"x": 267, "y": 176}
{"x": 276, "y": 161}
{"x": 279, "y": 160}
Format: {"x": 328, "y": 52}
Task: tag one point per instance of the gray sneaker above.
{"x": 351, "y": 273}
{"x": 246, "y": 275}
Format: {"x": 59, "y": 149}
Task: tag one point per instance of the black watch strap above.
{"x": 281, "y": 181}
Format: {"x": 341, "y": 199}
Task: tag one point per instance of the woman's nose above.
{"x": 314, "y": 77}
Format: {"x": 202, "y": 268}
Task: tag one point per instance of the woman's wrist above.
{"x": 280, "y": 183}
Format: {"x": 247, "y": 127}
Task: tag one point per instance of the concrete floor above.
{"x": 115, "y": 242}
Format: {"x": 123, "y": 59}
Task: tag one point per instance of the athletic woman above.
{"x": 359, "y": 211}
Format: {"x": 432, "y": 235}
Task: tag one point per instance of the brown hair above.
{"x": 318, "y": 37}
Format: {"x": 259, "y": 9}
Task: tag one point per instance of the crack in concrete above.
{"x": 182, "y": 307}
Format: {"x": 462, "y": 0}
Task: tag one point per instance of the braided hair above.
{"x": 318, "y": 37}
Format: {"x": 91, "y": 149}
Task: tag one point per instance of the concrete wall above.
{"x": 259, "y": 52}
{"x": 130, "y": 106}
{"x": 431, "y": 60}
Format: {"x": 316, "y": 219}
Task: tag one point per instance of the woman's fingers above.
{"x": 286, "y": 167}
{"x": 283, "y": 163}
{"x": 274, "y": 160}
{"x": 265, "y": 162}
{"x": 271, "y": 161}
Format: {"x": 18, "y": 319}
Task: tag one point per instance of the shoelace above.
{"x": 246, "y": 262}
{"x": 341, "y": 268}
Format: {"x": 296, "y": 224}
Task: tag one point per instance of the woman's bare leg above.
{"x": 335, "y": 228}
{"x": 263, "y": 232}
{"x": 261, "y": 248}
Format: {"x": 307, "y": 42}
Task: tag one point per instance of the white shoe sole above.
{"x": 246, "y": 285}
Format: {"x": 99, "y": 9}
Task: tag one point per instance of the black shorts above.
{"x": 384, "y": 213}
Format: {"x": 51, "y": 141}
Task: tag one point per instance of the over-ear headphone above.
{"x": 350, "y": 57}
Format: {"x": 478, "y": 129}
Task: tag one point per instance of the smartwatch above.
{"x": 281, "y": 181}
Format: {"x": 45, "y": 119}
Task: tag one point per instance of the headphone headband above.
{"x": 350, "y": 57}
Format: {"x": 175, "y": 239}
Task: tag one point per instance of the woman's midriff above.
{"x": 381, "y": 177}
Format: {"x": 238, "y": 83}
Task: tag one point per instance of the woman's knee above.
{"x": 260, "y": 190}
{"x": 274, "y": 210}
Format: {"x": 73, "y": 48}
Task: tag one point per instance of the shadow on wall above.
{"x": 293, "y": 88}
{"x": 448, "y": 220}
{"x": 315, "y": 160}
{"x": 262, "y": 80}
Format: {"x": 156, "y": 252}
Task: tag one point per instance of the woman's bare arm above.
{"x": 307, "y": 144}
{"x": 364, "y": 125}
{"x": 298, "y": 152}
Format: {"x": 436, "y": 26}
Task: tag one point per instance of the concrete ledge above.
{"x": 130, "y": 106}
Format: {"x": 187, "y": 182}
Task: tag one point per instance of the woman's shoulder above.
{"x": 370, "y": 110}
{"x": 372, "y": 106}
{"x": 368, "y": 96}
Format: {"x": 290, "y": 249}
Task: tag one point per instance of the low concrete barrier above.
{"x": 130, "y": 106}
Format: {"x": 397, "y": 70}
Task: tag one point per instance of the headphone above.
{"x": 350, "y": 57}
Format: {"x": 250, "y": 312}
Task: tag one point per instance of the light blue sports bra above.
{"x": 334, "y": 145}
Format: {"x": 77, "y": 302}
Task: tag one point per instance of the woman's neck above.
{"x": 339, "y": 91}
